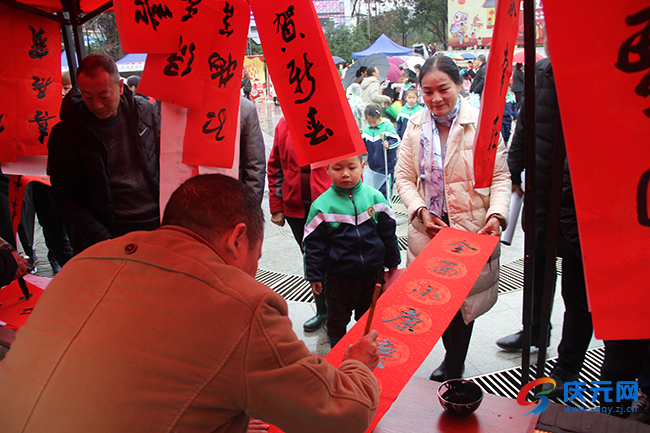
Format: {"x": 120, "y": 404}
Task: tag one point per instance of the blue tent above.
{"x": 385, "y": 47}
{"x": 132, "y": 58}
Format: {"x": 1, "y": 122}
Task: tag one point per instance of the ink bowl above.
{"x": 460, "y": 397}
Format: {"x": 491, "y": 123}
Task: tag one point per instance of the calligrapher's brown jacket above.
{"x": 153, "y": 332}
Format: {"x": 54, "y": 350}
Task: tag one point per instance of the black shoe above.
{"x": 315, "y": 323}
{"x": 441, "y": 373}
{"x": 560, "y": 376}
{"x": 514, "y": 342}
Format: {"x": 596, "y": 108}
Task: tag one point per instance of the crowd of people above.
{"x": 159, "y": 324}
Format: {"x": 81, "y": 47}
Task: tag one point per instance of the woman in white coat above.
{"x": 436, "y": 182}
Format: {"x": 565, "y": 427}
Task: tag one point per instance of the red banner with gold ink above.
{"x": 30, "y": 83}
{"x": 306, "y": 81}
{"x": 605, "y": 120}
{"x": 17, "y": 186}
{"x": 151, "y": 26}
{"x": 14, "y": 311}
{"x": 493, "y": 99}
{"x": 412, "y": 315}
{"x": 211, "y": 131}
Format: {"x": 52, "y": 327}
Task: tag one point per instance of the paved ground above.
{"x": 280, "y": 253}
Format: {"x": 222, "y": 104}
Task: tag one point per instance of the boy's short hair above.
{"x": 373, "y": 111}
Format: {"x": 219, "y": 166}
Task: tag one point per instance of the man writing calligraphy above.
{"x": 103, "y": 157}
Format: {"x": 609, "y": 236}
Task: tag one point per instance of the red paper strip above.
{"x": 17, "y": 186}
{"x": 497, "y": 78}
{"x": 211, "y": 131}
{"x": 612, "y": 205}
{"x": 309, "y": 88}
{"x": 151, "y": 26}
{"x": 30, "y": 83}
{"x": 13, "y": 311}
{"x": 420, "y": 304}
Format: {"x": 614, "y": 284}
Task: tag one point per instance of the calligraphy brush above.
{"x": 375, "y": 295}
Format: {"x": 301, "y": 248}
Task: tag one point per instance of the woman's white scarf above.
{"x": 432, "y": 158}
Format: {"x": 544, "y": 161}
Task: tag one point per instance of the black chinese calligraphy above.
{"x": 428, "y": 292}
{"x": 40, "y": 85}
{"x": 191, "y": 9}
{"x": 229, "y": 10}
{"x": 151, "y": 13}
{"x": 460, "y": 247}
{"x": 637, "y": 47}
{"x": 494, "y": 137}
{"x": 407, "y": 321}
{"x": 512, "y": 10}
{"x": 14, "y": 209}
{"x": 171, "y": 70}
{"x": 298, "y": 75}
{"x": 41, "y": 120}
{"x": 505, "y": 70}
{"x": 446, "y": 268}
{"x": 316, "y": 127}
{"x": 18, "y": 183}
{"x": 285, "y": 24}
{"x": 222, "y": 68}
{"x": 26, "y": 311}
{"x": 220, "y": 119}
{"x": 2, "y": 127}
{"x": 386, "y": 351}
{"x": 39, "y": 45}
{"x": 642, "y": 199}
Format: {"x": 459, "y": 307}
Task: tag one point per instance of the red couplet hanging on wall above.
{"x": 30, "y": 83}
{"x": 211, "y": 130}
{"x": 151, "y": 26}
{"x": 309, "y": 88}
{"x": 605, "y": 121}
{"x": 493, "y": 99}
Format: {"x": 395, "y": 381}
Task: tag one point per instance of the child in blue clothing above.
{"x": 381, "y": 141}
{"x": 410, "y": 107}
{"x": 349, "y": 240}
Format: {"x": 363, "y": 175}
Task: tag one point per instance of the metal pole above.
{"x": 529, "y": 197}
{"x": 369, "y": 22}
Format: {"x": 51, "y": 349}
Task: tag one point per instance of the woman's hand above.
{"x": 316, "y": 287}
{"x": 278, "y": 219}
{"x": 491, "y": 227}
{"x": 432, "y": 224}
{"x": 518, "y": 189}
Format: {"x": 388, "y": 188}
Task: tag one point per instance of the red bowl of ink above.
{"x": 460, "y": 397}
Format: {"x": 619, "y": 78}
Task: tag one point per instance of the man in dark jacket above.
{"x": 479, "y": 79}
{"x": 103, "y": 157}
{"x": 577, "y": 327}
{"x": 252, "y": 155}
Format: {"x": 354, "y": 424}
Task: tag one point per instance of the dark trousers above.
{"x": 623, "y": 362}
{"x": 297, "y": 226}
{"x": 51, "y": 219}
{"x": 456, "y": 341}
{"x": 345, "y": 295}
{"x": 577, "y": 328}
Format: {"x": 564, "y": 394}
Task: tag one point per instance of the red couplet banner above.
{"x": 211, "y": 131}
{"x": 30, "y": 73}
{"x": 497, "y": 78}
{"x": 417, "y": 308}
{"x": 605, "y": 121}
{"x": 309, "y": 88}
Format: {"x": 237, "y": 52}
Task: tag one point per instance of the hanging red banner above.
{"x": 151, "y": 26}
{"x": 17, "y": 186}
{"x": 30, "y": 74}
{"x": 211, "y": 131}
{"x": 412, "y": 315}
{"x": 306, "y": 81}
{"x": 493, "y": 99}
{"x": 609, "y": 158}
